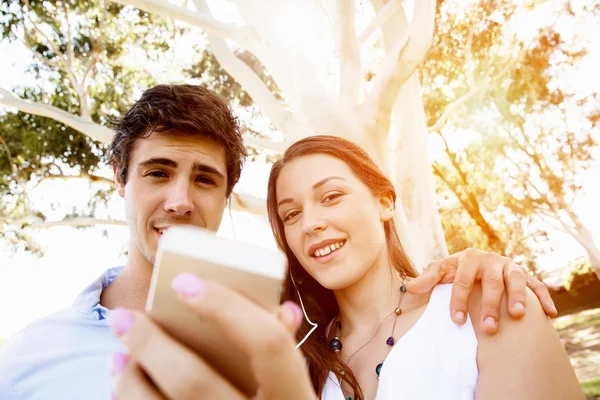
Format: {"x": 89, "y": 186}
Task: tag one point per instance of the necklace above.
{"x": 336, "y": 343}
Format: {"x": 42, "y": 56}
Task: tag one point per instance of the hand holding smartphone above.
{"x": 253, "y": 271}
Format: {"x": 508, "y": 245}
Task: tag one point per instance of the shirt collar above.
{"x": 88, "y": 301}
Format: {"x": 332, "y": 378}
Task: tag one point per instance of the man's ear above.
{"x": 386, "y": 208}
{"x": 120, "y": 185}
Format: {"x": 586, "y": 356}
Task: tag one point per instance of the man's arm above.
{"x": 525, "y": 359}
{"x": 497, "y": 274}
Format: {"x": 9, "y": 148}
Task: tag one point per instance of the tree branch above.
{"x": 476, "y": 89}
{"x": 348, "y": 52}
{"x": 69, "y": 38}
{"x": 35, "y": 26}
{"x": 83, "y": 125}
{"x": 202, "y": 20}
{"x": 97, "y": 131}
{"x": 401, "y": 62}
{"x": 469, "y": 66}
{"x": 8, "y": 154}
{"x": 382, "y": 16}
{"x": 272, "y": 108}
{"x": 91, "y": 63}
{"x": 314, "y": 106}
{"x": 562, "y": 227}
{"x": 267, "y": 144}
{"x": 77, "y": 222}
{"x": 46, "y": 61}
{"x": 247, "y": 203}
{"x": 91, "y": 178}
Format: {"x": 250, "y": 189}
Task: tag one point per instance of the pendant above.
{"x": 390, "y": 341}
{"x": 378, "y": 369}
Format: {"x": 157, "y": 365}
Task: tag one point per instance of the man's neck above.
{"x": 130, "y": 288}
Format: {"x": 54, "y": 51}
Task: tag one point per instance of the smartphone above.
{"x": 255, "y": 272}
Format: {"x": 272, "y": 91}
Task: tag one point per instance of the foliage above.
{"x": 86, "y": 62}
{"x": 580, "y": 275}
{"x": 526, "y": 139}
{"x": 591, "y": 388}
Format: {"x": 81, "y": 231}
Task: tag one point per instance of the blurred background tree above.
{"x": 523, "y": 136}
{"x": 516, "y": 136}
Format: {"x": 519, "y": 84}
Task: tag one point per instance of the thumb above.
{"x": 423, "y": 283}
{"x": 290, "y": 315}
{"x": 437, "y": 272}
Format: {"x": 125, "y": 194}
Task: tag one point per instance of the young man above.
{"x": 177, "y": 154}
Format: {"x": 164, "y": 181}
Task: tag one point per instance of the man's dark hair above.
{"x": 181, "y": 109}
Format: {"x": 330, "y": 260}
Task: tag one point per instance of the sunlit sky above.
{"x": 31, "y": 287}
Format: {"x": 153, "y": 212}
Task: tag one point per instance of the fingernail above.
{"x": 113, "y": 396}
{"x": 553, "y": 308}
{"x": 296, "y": 311}
{"x": 121, "y": 320}
{"x": 459, "y": 315}
{"x": 518, "y": 306}
{"x": 188, "y": 284}
{"x": 119, "y": 362}
{"x": 490, "y": 322}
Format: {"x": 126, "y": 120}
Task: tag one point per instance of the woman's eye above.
{"x": 290, "y": 215}
{"x": 330, "y": 197}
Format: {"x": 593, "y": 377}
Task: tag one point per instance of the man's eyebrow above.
{"x": 316, "y": 185}
{"x": 201, "y": 167}
{"x": 158, "y": 161}
{"x": 196, "y": 167}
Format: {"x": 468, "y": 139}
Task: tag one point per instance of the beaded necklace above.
{"x": 336, "y": 343}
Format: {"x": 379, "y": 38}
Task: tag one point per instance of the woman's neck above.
{"x": 367, "y": 302}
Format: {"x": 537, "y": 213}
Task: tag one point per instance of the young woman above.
{"x": 331, "y": 211}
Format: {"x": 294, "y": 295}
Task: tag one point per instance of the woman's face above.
{"x": 332, "y": 222}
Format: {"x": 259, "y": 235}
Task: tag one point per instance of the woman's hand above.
{"x": 495, "y": 273}
{"x": 159, "y": 367}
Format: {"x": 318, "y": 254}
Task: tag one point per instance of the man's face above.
{"x": 172, "y": 180}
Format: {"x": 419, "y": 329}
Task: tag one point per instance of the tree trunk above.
{"x": 586, "y": 240}
{"x": 409, "y": 166}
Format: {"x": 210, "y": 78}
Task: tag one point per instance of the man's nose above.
{"x": 179, "y": 200}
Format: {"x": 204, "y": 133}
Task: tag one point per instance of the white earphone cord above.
{"x": 314, "y": 326}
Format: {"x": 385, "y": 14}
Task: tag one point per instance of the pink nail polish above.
{"x": 113, "y": 396}
{"x": 121, "y": 320}
{"x": 119, "y": 362}
{"x": 188, "y": 284}
{"x": 296, "y": 310}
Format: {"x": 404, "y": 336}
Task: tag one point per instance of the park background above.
{"x": 485, "y": 114}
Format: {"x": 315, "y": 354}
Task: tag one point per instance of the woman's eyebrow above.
{"x": 316, "y": 185}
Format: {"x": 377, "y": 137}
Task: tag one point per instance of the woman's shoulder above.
{"x": 526, "y": 346}
{"x": 507, "y": 325}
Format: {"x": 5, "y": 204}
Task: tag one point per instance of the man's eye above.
{"x": 206, "y": 180}
{"x": 157, "y": 174}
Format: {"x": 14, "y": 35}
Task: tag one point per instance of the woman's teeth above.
{"x": 325, "y": 250}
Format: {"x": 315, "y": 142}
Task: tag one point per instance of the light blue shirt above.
{"x": 64, "y": 355}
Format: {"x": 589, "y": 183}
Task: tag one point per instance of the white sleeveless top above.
{"x": 435, "y": 359}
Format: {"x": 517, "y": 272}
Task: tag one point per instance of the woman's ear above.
{"x": 386, "y": 208}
